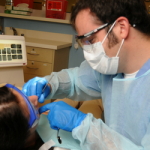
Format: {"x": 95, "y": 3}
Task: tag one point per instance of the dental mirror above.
{"x": 58, "y": 137}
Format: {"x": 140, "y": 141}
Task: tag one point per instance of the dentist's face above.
{"x": 86, "y": 22}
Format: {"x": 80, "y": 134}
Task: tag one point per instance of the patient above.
{"x": 18, "y": 122}
{"x": 17, "y": 130}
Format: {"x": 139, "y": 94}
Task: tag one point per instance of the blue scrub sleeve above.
{"x": 94, "y": 134}
{"x": 78, "y": 84}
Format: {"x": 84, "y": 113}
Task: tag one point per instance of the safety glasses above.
{"x": 87, "y": 39}
{"x": 34, "y": 119}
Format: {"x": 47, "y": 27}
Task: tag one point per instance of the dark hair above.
{"x": 107, "y": 11}
{"x": 13, "y": 123}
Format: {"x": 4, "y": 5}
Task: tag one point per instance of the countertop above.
{"x": 47, "y": 43}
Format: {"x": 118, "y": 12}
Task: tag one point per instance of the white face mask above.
{"x": 97, "y": 58}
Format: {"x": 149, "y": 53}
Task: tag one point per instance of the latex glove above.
{"x": 63, "y": 116}
{"x": 35, "y": 87}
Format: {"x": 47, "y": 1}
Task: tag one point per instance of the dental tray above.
{"x": 12, "y": 51}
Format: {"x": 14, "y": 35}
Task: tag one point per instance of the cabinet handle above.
{"x": 32, "y": 68}
{"x": 32, "y": 54}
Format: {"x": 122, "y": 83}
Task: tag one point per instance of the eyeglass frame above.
{"x": 93, "y": 31}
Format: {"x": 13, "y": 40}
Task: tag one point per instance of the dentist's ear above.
{"x": 124, "y": 27}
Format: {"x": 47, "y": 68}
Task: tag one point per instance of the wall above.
{"x": 147, "y": 6}
{"x": 70, "y": 3}
{"x": 75, "y": 56}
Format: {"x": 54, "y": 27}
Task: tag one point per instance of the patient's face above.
{"x": 34, "y": 100}
{"x": 23, "y": 105}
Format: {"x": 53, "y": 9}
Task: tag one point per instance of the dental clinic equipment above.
{"x": 12, "y": 59}
{"x": 12, "y": 51}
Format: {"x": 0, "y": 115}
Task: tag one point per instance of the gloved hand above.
{"x": 63, "y": 116}
{"x": 35, "y": 87}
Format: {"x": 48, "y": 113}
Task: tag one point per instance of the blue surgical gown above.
{"x": 126, "y": 107}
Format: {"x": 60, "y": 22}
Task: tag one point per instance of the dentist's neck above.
{"x": 135, "y": 52}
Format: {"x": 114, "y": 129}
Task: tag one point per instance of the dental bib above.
{"x": 49, "y": 136}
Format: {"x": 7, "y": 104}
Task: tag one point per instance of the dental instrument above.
{"x": 58, "y": 137}
{"x": 47, "y": 83}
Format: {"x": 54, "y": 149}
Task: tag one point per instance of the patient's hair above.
{"x": 13, "y": 123}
